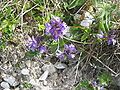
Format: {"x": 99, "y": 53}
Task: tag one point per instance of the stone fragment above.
{"x": 44, "y": 75}
{"x": 6, "y": 89}
{"x": 9, "y": 79}
{"x": 5, "y": 85}
{"x": 60, "y": 65}
{"x": 45, "y": 83}
{"x": 25, "y": 71}
{"x": 34, "y": 82}
{"x": 49, "y": 67}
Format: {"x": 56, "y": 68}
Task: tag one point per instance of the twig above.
{"x": 5, "y": 6}
{"x": 77, "y": 67}
{"x": 23, "y": 13}
{"x": 104, "y": 65}
{"x": 30, "y": 9}
{"x": 115, "y": 22}
{"x": 117, "y": 57}
{"x": 81, "y": 7}
{"x": 100, "y": 61}
{"x": 117, "y": 75}
{"x": 75, "y": 40}
{"x": 21, "y": 16}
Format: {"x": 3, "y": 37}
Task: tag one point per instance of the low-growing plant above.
{"x": 63, "y": 29}
{"x": 7, "y": 25}
{"x": 27, "y": 85}
{"x": 100, "y": 83}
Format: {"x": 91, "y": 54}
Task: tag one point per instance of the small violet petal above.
{"x": 42, "y": 49}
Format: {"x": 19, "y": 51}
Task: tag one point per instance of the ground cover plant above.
{"x": 59, "y": 45}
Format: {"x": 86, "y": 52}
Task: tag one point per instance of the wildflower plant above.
{"x": 56, "y": 28}
{"x": 98, "y": 84}
{"x": 8, "y": 22}
{"x": 53, "y": 31}
{"x": 111, "y": 37}
{"x": 69, "y": 51}
{"x": 33, "y": 44}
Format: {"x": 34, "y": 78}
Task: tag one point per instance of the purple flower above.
{"x": 34, "y": 44}
{"x": 42, "y": 49}
{"x": 111, "y": 39}
{"x": 56, "y": 28}
{"x": 94, "y": 84}
{"x": 60, "y": 55}
{"x": 70, "y": 50}
{"x": 39, "y": 39}
{"x": 102, "y": 88}
{"x": 31, "y": 43}
{"x": 100, "y": 35}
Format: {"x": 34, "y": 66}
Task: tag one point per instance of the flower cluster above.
{"x": 33, "y": 44}
{"x": 56, "y": 28}
{"x": 69, "y": 50}
{"x": 60, "y": 55}
{"x": 111, "y": 37}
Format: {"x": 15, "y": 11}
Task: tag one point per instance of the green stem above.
{"x": 75, "y": 41}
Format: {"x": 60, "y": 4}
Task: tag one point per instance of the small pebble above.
{"x": 6, "y": 89}
{"x": 45, "y": 83}
{"x": 34, "y": 82}
{"x": 9, "y": 79}
{"x": 5, "y": 85}
{"x": 17, "y": 89}
{"x": 44, "y": 76}
{"x": 25, "y": 71}
{"x": 49, "y": 67}
{"x": 28, "y": 63}
{"x": 60, "y": 65}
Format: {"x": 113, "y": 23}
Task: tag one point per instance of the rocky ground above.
{"x": 38, "y": 74}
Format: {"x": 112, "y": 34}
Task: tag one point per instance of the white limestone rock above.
{"x": 49, "y": 67}
{"x": 44, "y": 75}
{"x": 25, "y": 71}
{"x": 9, "y": 79}
{"x": 5, "y": 85}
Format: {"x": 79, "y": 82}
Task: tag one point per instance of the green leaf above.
{"x": 41, "y": 27}
{"x": 75, "y": 3}
{"x": 27, "y": 5}
{"x": 102, "y": 27}
{"x": 75, "y": 28}
{"x": 84, "y": 84}
{"x": 41, "y": 8}
{"x": 27, "y": 85}
{"x": 65, "y": 5}
{"x": 31, "y": 53}
{"x": 4, "y": 24}
{"x": 84, "y": 37}
{"x": 2, "y": 45}
{"x": 53, "y": 46}
{"x": 104, "y": 78}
